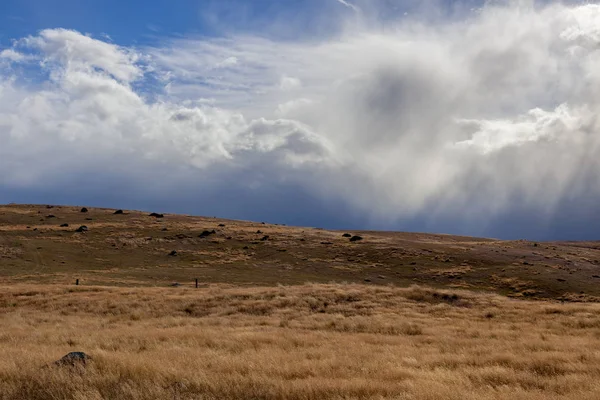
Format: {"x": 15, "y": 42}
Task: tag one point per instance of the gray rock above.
{"x": 73, "y": 359}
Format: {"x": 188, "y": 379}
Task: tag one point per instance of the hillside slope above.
{"x": 134, "y": 249}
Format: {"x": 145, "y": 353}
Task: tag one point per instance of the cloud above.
{"x": 74, "y": 52}
{"x": 456, "y": 125}
{"x": 289, "y": 83}
{"x": 12, "y": 55}
{"x": 346, "y": 4}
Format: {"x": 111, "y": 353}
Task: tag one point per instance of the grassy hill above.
{"x": 136, "y": 249}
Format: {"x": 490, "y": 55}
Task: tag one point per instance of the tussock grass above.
{"x": 301, "y": 342}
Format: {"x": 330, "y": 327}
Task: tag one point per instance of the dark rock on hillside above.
{"x": 64, "y": 225}
{"x": 265, "y": 238}
{"x": 221, "y": 225}
{"x": 207, "y": 233}
{"x": 84, "y": 210}
{"x": 346, "y": 235}
{"x": 50, "y": 216}
{"x": 356, "y": 238}
{"x": 157, "y": 215}
{"x": 173, "y": 253}
{"x": 81, "y": 229}
{"x": 118, "y": 212}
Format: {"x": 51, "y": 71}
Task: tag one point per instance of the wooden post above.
{"x": 196, "y": 283}
{"x": 76, "y": 281}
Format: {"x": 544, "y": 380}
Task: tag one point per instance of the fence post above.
{"x": 76, "y": 282}
{"x": 196, "y": 283}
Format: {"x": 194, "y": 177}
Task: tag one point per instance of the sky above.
{"x": 462, "y": 117}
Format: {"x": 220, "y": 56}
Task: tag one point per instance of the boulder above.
{"x": 73, "y": 359}
{"x": 64, "y": 225}
{"x": 207, "y": 233}
{"x": 118, "y": 212}
{"x": 346, "y": 235}
{"x": 81, "y": 229}
{"x": 84, "y": 210}
{"x": 356, "y": 238}
{"x": 157, "y": 215}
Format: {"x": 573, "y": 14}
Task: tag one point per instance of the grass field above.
{"x": 302, "y": 342}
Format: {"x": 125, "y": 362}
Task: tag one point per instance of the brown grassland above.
{"x": 303, "y": 342}
{"x": 394, "y": 316}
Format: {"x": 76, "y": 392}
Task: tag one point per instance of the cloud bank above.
{"x": 483, "y": 124}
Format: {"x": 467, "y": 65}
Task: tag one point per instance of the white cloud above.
{"x": 289, "y": 83}
{"x": 464, "y": 115}
{"x": 76, "y": 52}
{"x": 228, "y": 62}
{"x": 12, "y": 55}
{"x": 347, "y": 4}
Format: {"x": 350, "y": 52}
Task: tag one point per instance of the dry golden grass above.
{"x": 301, "y": 342}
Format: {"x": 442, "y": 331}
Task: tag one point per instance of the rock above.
{"x": 164, "y": 229}
{"x": 246, "y": 247}
{"x": 356, "y": 238}
{"x": 173, "y": 253}
{"x": 89, "y": 219}
{"x": 175, "y": 284}
{"x": 367, "y": 280}
{"x": 259, "y": 232}
{"x": 118, "y": 212}
{"x": 84, "y": 210}
{"x": 50, "y": 216}
{"x": 73, "y": 359}
{"x": 221, "y": 225}
{"x": 265, "y": 238}
{"x": 64, "y": 225}
{"x": 346, "y": 235}
{"x": 207, "y": 233}
{"x": 81, "y": 229}
{"x": 302, "y": 240}
{"x": 157, "y": 215}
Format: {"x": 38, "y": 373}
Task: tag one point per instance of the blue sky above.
{"x": 142, "y": 22}
{"x": 434, "y": 116}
